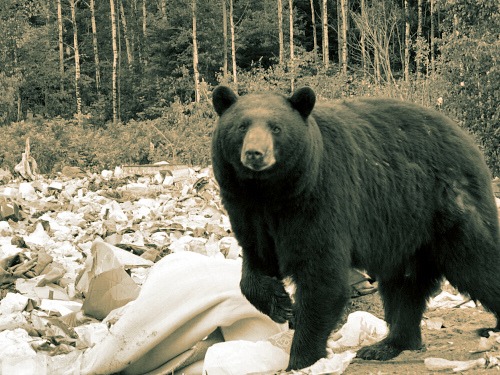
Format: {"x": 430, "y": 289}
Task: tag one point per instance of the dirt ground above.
{"x": 456, "y": 340}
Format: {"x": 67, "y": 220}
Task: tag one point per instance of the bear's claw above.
{"x": 281, "y": 308}
{"x": 381, "y": 351}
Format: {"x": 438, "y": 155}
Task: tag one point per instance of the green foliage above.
{"x": 469, "y": 66}
{"x": 182, "y": 135}
{"x": 156, "y": 89}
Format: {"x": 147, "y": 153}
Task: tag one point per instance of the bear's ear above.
{"x": 303, "y": 100}
{"x": 223, "y": 98}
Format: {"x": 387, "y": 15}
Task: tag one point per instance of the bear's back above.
{"x": 389, "y": 128}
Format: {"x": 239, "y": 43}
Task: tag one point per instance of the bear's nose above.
{"x": 254, "y": 155}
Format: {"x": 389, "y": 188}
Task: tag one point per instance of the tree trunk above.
{"x": 433, "y": 41}
{"x": 119, "y": 68}
{"x": 128, "y": 45}
{"x": 163, "y": 8}
{"x": 292, "y": 53}
{"x": 18, "y": 91}
{"x": 195, "y": 57}
{"x": 114, "y": 45}
{"x": 280, "y": 33}
{"x": 61, "y": 45}
{"x": 345, "y": 25}
{"x": 144, "y": 19}
{"x": 136, "y": 37}
{"x": 407, "y": 43}
{"x": 224, "y": 33}
{"x": 339, "y": 32}
{"x": 324, "y": 21}
{"x": 233, "y": 41}
{"x": 77, "y": 61}
{"x": 362, "y": 41}
{"x": 315, "y": 35}
{"x": 96, "y": 51}
{"x": 418, "y": 60}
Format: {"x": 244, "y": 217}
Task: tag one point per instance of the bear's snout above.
{"x": 257, "y": 152}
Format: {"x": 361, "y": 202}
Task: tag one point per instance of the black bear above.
{"x": 378, "y": 184}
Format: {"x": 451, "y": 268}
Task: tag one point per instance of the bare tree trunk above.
{"x": 407, "y": 43}
{"x": 96, "y": 51}
{"x": 61, "y": 45}
{"x": 224, "y": 33}
{"x": 379, "y": 25}
{"x": 339, "y": 32}
{"x": 114, "y": 45}
{"x": 315, "y": 35}
{"x": 119, "y": 69}
{"x": 292, "y": 53}
{"x": 77, "y": 60}
{"x": 136, "y": 37}
{"x": 362, "y": 41}
{"x": 324, "y": 21}
{"x": 163, "y": 8}
{"x": 195, "y": 57}
{"x": 144, "y": 19}
{"x": 418, "y": 60}
{"x": 280, "y": 33}
{"x": 18, "y": 91}
{"x": 233, "y": 41}
{"x": 345, "y": 25}
{"x": 433, "y": 41}
{"x": 376, "y": 63}
{"x": 128, "y": 45}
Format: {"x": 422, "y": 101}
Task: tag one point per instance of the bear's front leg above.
{"x": 319, "y": 302}
{"x": 266, "y": 293}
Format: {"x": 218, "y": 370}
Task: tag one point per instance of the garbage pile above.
{"x": 75, "y": 247}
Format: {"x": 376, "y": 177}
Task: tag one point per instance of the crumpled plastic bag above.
{"x": 262, "y": 357}
{"x": 361, "y": 328}
{"x": 243, "y": 357}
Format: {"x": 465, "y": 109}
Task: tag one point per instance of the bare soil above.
{"x": 456, "y": 340}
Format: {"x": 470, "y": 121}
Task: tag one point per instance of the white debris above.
{"x": 14, "y": 344}
{"x": 13, "y": 302}
{"x": 27, "y": 191}
{"x": 39, "y": 237}
{"x": 361, "y": 328}
{"x": 448, "y": 300}
{"x": 243, "y": 357}
{"x": 438, "y": 364}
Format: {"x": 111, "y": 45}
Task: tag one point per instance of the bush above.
{"x": 467, "y": 82}
{"x": 182, "y": 135}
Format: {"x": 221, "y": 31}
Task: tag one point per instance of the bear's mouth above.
{"x": 257, "y": 164}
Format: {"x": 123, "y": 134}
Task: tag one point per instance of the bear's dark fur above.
{"x": 386, "y": 186}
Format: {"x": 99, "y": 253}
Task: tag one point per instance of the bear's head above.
{"x": 261, "y": 135}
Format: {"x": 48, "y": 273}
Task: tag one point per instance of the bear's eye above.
{"x": 276, "y": 129}
{"x": 242, "y": 127}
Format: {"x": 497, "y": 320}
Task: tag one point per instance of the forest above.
{"x": 97, "y": 84}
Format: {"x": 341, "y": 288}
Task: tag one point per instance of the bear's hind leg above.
{"x": 404, "y": 299}
{"x": 473, "y": 265}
